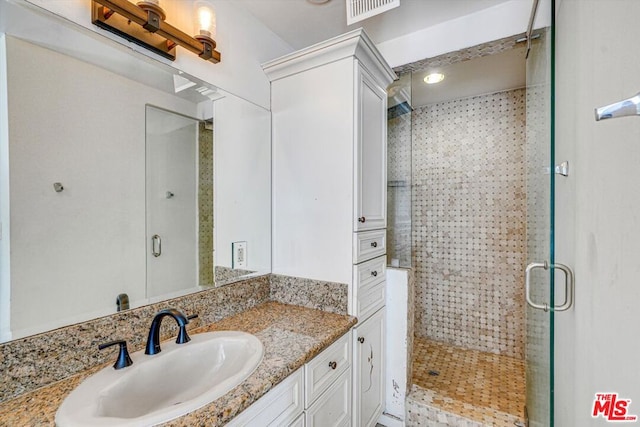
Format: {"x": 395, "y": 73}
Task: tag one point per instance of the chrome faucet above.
{"x": 626, "y": 107}
{"x": 153, "y": 341}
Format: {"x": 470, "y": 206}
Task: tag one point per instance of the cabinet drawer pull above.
{"x": 374, "y": 244}
{"x": 361, "y": 340}
{"x": 374, "y": 273}
{"x": 362, "y": 219}
{"x": 333, "y": 365}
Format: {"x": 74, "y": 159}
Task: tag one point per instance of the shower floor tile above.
{"x": 483, "y": 387}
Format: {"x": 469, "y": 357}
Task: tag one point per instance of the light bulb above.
{"x": 206, "y": 21}
{"x": 434, "y": 78}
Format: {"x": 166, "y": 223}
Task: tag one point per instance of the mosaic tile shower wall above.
{"x": 205, "y": 204}
{"x": 469, "y": 214}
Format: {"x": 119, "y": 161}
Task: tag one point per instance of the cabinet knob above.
{"x": 333, "y": 365}
{"x": 362, "y": 219}
{"x": 374, "y": 244}
{"x": 374, "y": 273}
{"x": 361, "y": 340}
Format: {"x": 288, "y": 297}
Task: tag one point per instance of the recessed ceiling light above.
{"x": 434, "y": 78}
{"x": 318, "y": 1}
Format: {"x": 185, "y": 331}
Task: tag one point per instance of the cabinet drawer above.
{"x": 370, "y": 300}
{"x": 368, "y": 291}
{"x": 370, "y": 272}
{"x": 322, "y": 371}
{"x": 279, "y": 407}
{"x": 333, "y": 408}
{"x": 368, "y": 245}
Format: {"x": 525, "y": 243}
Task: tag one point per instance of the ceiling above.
{"x": 478, "y": 76}
{"x": 301, "y": 23}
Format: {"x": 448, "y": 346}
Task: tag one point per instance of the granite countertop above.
{"x": 291, "y": 335}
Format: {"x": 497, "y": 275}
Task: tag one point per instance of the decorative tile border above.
{"x": 485, "y": 49}
{"x": 326, "y": 296}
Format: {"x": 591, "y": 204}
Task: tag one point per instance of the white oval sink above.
{"x": 159, "y": 388}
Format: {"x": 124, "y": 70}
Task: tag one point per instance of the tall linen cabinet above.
{"x": 329, "y": 112}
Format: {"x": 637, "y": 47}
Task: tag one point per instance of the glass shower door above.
{"x": 540, "y": 175}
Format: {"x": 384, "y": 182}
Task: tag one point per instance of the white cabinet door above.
{"x": 370, "y": 201}
{"x": 299, "y": 422}
{"x": 368, "y": 384}
{"x": 333, "y": 408}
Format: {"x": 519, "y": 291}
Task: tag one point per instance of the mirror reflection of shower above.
{"x": 179, "y": 202}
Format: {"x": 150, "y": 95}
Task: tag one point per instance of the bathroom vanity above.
{"x": 295, "y": 377}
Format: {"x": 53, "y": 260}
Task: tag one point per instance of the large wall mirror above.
{"x": 121, "y": 175}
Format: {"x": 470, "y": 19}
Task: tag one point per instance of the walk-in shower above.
{"x": 469, "y": 207}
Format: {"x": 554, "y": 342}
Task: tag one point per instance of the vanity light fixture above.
{"x": 434, "y": 78}
{"x": 144, "y": 24}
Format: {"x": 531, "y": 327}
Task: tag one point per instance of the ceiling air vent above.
{"x": 358, "y": 10}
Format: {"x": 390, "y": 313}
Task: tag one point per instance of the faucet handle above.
{"x": 123, "y": 355}
{"x": 183, "y": 337}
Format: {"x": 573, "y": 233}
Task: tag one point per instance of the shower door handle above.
{"x": 156, "y": 246}
{"x": 568, "y": 286}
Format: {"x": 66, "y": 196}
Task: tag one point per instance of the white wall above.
{"x": 71, "y": 122}
{"x": 493, "y": 23}
{"x": 243, "y": 41}
{"x": 5, "y": 271}
{"x": 597, "y": 208}
{"x": 242, "y": 181}
{"x": 312, "y": 173}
